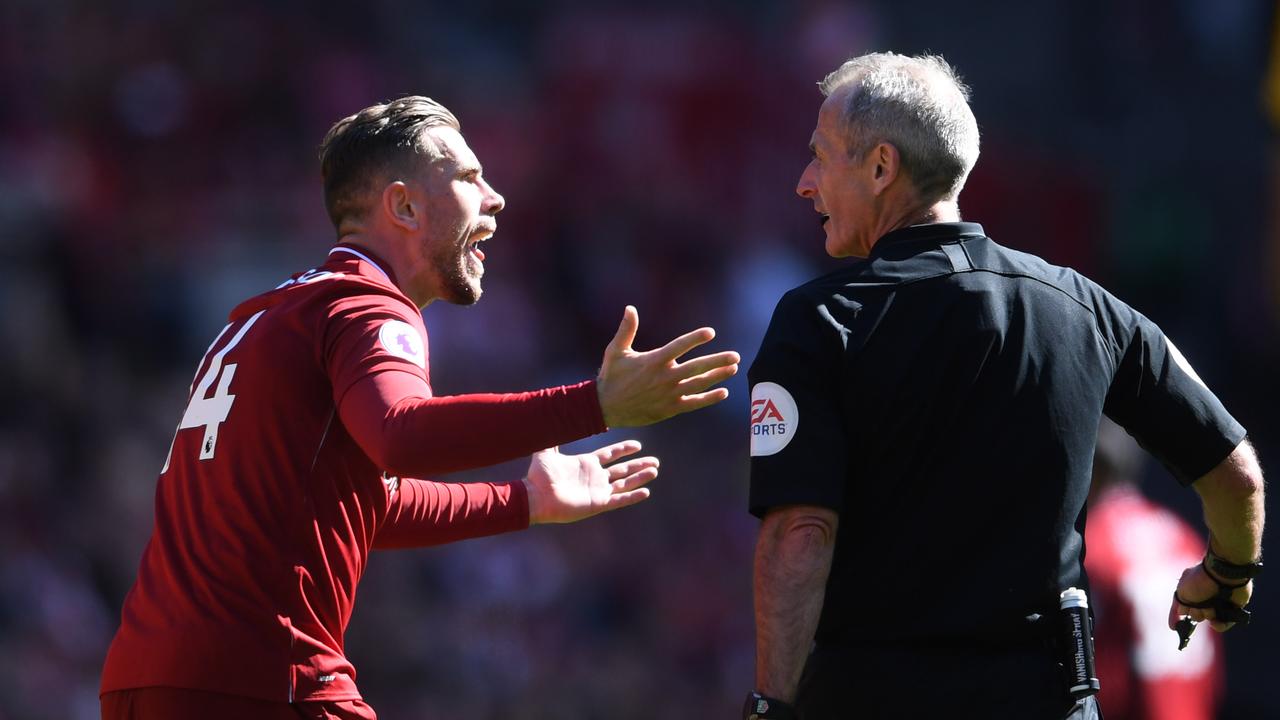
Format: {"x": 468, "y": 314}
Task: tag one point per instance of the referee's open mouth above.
{"x": 823, "y": 219}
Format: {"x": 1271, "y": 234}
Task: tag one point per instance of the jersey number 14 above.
{"x": 210, "y": 411}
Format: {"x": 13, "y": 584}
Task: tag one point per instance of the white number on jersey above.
{"x": 210, "y": 412}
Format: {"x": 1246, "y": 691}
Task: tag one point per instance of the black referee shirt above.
{"x": 943, "y": 396}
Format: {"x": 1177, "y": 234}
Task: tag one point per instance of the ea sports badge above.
{"x": 774, "y": 418}
{"x": 403, "y": 340}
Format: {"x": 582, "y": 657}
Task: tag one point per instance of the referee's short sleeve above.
{"x": 798, "y": 447}
{"x": 1157, "y": 396}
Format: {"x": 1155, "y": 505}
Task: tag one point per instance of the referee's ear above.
{"x": 883, "y": 163}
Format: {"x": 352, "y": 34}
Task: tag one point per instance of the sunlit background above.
{"x": 157, "y": 164}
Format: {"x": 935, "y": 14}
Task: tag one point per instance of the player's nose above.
{"x": 493, "y": 200}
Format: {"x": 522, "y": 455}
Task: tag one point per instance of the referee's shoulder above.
{"x": 824, "y": 286}
{"x": 1014, "y": 264}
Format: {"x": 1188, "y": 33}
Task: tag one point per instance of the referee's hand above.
{"x": 642, "y": 388}
{"x": 568, "y": 488}
{"x": 1196, "y": 586}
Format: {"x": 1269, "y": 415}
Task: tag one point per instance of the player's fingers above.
{"x": 1221, "y": 626}
{"x": 626, "y": 331}
{"x": 621, "y": 500}
{"x": 698, "y": 383}
{"x": 689, "y": 403}
{"x": 685, "y": 343}
{"x": 638, "y": 479}
{"x": 703, "y": 363}
{"x": 621, "y": 470}
{"x": 609, "y": 453}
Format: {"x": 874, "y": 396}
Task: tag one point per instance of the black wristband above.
{"x": 763, "y": 707}
{"x": 1215, "y": 565}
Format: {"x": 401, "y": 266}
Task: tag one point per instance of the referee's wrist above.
{"x": 1229, "y": 574}
{"x": 763, "y": 707}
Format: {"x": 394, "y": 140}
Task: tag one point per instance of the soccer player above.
{"x": 311, "y": 417}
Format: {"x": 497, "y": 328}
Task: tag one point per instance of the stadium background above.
{"x": 157, "y": 164}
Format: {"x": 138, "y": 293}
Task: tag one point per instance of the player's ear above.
{"x": 885, "y": 163}
{"x": 398, "y": 206}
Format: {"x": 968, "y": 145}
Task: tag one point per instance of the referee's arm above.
{"x": 793, "y": 559}
{"x": 1234, "y": 502}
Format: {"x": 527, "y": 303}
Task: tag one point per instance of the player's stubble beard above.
{"x": 460, "y": 273}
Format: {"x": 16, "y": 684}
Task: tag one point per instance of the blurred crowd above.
{"x": 157, "y": 164}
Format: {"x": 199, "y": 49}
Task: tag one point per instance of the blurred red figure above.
{"x": 1136, "y": 549}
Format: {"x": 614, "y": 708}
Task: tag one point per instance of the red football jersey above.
{"x": 280, "y": 481}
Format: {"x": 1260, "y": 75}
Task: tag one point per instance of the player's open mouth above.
{"x": 823, "y": 220}
{"x": 474, "y": 246}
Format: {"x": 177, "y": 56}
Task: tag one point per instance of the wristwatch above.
{"x": 763, "y": 707}
{"x": 1230, "y": 571}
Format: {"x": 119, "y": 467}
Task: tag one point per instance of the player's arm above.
{"x": 557, "y": 489}
{"x": 1233, "y": 498}
{"x": 408, "y": 432}
{"x": 792, "y": 562}
{"x": 391, "y": 413}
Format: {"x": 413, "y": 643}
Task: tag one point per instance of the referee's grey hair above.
{"x": 918, "y": 105}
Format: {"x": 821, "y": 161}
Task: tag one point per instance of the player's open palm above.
{"x": 641, "y": 388}
{"x": 568, "y": 488}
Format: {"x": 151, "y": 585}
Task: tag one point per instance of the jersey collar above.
{"x": 367, "y": 256}
{"x": 931, "y": 234}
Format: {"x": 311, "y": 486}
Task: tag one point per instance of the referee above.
{"x": 922, "y": 429}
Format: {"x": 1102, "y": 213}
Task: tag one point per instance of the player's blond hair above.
{"x": 359, "y": 149}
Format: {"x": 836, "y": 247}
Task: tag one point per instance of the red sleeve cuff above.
{"x": 518, "y": 500}
{"x": 586, "y": 405}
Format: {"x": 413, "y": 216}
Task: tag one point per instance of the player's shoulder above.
{"x": 330, "y": 290}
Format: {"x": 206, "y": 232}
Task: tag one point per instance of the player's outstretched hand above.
{"x": 642, "y": 388}
{"x": 568, "y": 488}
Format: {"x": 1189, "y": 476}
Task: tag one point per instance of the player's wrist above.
{"x": 533, "y": 501}
{"x": 606, "y": 411}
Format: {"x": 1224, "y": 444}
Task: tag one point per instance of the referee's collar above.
{"x": 928, "y": 234}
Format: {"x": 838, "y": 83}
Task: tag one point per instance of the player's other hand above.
{"x": 568, "y": 488}
{"x": 642, "y": 388}
{"x": 1195, "y": 585}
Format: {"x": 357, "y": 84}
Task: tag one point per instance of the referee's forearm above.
{"x": 1234, "y": 505}
{"x": 793, "y": 559}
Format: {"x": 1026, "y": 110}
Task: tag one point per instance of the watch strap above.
{"x": 763, "y": 707}
{"x": 1230, "y": 571}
